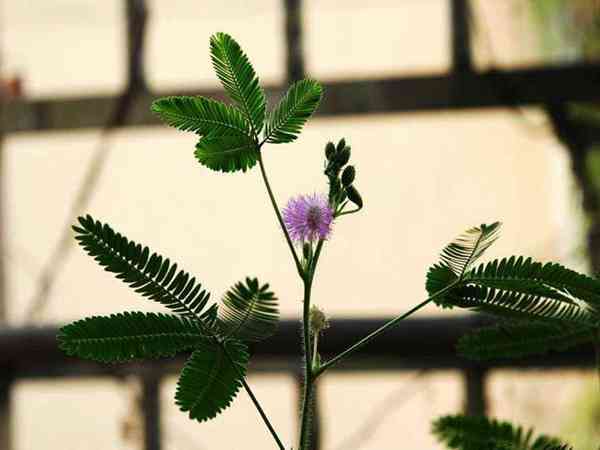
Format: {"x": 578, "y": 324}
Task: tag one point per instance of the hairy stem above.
{"x": 278, "y": 214}
{"x": 254, "y": 400}
{"x": 308, "y": 375}
{"x": 364, "y": 341}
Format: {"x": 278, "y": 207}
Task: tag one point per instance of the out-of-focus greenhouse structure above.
{"x": 458, "y": 112}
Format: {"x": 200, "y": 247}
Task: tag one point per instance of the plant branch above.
{"x": 278, "y": 214}
{"x": 364, "y": 341}
{"x": 308, "y": 373}
{"x": 254, "y": 400}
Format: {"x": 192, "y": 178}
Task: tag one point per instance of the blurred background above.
{"x": 458, "y": 113}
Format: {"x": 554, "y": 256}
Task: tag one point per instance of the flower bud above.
{"x": 341, "y": 144}
{"x": 354, "y": 196}
{"x": 348, "y": 176}
{"x": 329, "y": 151}
{"x": 318, "y": 320}
{"x": 343, "y": 156}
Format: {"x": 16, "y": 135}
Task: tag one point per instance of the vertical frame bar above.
{"x": 151, "y": 411}
{"x": 461, "y": 36}
{"x": 475, "y": 403}
{"x": 293, "y": 39}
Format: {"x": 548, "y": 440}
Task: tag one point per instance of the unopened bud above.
{"x": 341, "y": 144}
{"x": 348, "y": 175}
{"x": 329, "y": 150}
{"x": 318, "y": 320}
{"x": 343, "y": 156}
{"x": 354, "y": 196}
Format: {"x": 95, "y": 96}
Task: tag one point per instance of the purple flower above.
{"x": 308, "y": 217}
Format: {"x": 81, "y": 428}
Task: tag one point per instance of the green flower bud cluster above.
{"x": 341, "y": 179}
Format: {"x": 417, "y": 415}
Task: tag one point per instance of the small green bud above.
{"x": 343, "y": 156}
{"x": 329, "y": 151}
{"x": 354, "y": 196}
{"x": 348, "y": 176}
{"x": 341, "y": 144}
{"x": 318, "y": 320}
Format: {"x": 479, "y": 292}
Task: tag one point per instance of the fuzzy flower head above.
{"x": 308, "y": 218}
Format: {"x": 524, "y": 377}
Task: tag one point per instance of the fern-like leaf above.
{"x": 480, "y": 433}
{"x": 249, "y": 311}
{"x": 238, "y": 78}
{"x": 517, "y": 339}
{"x": 285, "y": 122}
{"x": 526, "y": 274}
{"x": 202, "y": 116}
{"x": 226, "y": 153}
{"x": 211, "y": 378}
{"x": 150, "y": 275}
{"x": 130, "y": 335}
{"x": 466, "y": 249}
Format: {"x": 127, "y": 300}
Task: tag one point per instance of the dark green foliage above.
{"x": 341, "y": 187}
{"x": 285, "y": 122}
{"x": 211, "y": 378}
{"x": 511, "y": 303}
{"x": 202, "y": 116}
{"x": 348, "y": 176}
{"x": 150, "y": 275}
{"x": 480, "y": 433}
{"x": 522, "y": 338}
{"x": 549, "y": 307}
{"x": 354, "y": 196}
{"x": 238, "y": 78}
{"x": 550, "y": 279}
{"x": 130, "y": 335}
{"x": 464, "y": 251}
{"x": 249, "y": 311}
{"x": 227, "y": 153}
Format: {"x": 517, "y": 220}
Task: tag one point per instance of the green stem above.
{"x": 308, "y": 375}
{"x": 254, "y": 399}
{"x": 278, "y": 214}
{"x": 364, "y": 341}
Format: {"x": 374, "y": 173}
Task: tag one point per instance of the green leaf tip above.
{"x": 129, "y": 335}
{"x": 202, "y": 115}
{"x": 149, "y": 274}
{"x": 285, "y": 122}
{"x": 227, "y": 153}
{"x": 211, "y": 379}
{"x": 249, "y": 311}
{"x": 238, "y": 78}
{"x": 481, "y": 433}
{"x": 466, "y": 249}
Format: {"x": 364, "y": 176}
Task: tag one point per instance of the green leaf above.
{"x": 129, "y": 335}
{"x": 467, "y": 248}
{"x": 285, "y": 122}
{"x": 249, "y": 311}
{"x": 211, "y": 378}
{"x": 226, "y": 153}
{"x": 480, "y": 433}
{"x": 517, "y": 339}
{"x": 550, "y": 279}
{"x": 150, "y": 275}
{"x": 238, "y": 78}
{"x": 202, "y": 116}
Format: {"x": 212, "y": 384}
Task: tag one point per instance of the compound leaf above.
{"x": 129, "y": 335}
{"x": 249, "y": 311}
{"x": 211, "y": 378}
{"x": 238, "y": 78}
{"x": 285, "y": 122}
